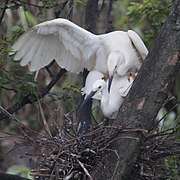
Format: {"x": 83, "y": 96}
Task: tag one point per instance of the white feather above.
{"x": 91, "y": 78}
{"x": 74, "y": 48}
{"x": 111, "y": 102}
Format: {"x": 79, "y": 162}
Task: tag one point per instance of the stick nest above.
{"x": 157, "y": 149}
{"x": 68, "y": 156}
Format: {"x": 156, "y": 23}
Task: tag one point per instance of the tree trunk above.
{"x": 84, "y": 114}
{"x": 146, "y": 97}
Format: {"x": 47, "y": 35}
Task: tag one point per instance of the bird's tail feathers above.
{"x": 138, "y": 43}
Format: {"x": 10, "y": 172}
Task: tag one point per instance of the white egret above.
{"x": 111, "y": 102}
{"x": 128, "y": 59}
{"x": 91, "y": 78}
{"x": 74, "y": 48}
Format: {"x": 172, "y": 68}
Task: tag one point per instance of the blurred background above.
{"x": 143, "y": 16}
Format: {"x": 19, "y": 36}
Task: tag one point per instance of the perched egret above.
{"x": 127, "y": 59}
{"x": 91, "y": 78}
{"x": 111, "y": 102}
{"x": 74, "y": 48}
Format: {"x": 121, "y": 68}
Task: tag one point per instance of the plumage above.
{"x": 74, "y": 48}
{"x": 91, "y": 78}
{"x": 111, "y": 102}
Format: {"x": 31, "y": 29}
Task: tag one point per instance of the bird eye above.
{"x": 99, "y": 87}
{"x": 115, "y": 66}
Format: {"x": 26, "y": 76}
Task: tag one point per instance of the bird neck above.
{"x": 105, "y": 98}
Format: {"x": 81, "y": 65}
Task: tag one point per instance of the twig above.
{"x": 15, "y": 119}
{"x": 70, "y": 13}
{"x": 41, "y": 6}
{"x": 101, "y": 7}
{"x": 44, "y": 119}
{"x": 8, "y": 89}
{"x": 85, "y": 170}
{"x": 116, "y": 163}
{"x": 8, "y": 114}
{"x": 28, "y": 99}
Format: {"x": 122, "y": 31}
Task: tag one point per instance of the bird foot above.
{"x": 131, "y": 75}
{"x": 105, "y": 77}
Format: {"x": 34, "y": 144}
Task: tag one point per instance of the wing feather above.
{"x": 19, "y": 44}
{"x": 23, "y": 47}
{"x": 28, "y": 57}
{"x": 44, "y": 54}
{"x": 71, "y": 46}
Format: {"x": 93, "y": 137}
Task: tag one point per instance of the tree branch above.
{"x": 147, "y": 95}
{"x": 31, "y": 98}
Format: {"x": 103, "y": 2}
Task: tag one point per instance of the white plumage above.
{"x": 91, "y": 78}
{"x": 74, "y": 48}
{"x": 111, "y": 102}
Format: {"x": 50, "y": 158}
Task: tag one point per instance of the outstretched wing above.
{"x": 72, "y": 47}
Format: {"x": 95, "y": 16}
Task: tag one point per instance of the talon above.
{"x": 105, "y": 77}
{"x": 131, "y": 75}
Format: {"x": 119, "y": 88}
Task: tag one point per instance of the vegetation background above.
{"x": 143, "y": 16}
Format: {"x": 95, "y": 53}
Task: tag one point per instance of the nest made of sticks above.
{"x": 68, "y": 156}
{"x": 157, "y": 148}
{"x": 65, "y": 155}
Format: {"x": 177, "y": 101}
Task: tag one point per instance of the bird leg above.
{"x": 48, "y": 69}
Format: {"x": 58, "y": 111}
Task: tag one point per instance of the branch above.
{"x": 31, "y": 98}
{"x": 147, "y": 95}
{"x": 8, "y": 89}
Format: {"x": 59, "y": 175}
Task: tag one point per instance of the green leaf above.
{"x": 5, "y": 79}
{"x": 20, "y": 170}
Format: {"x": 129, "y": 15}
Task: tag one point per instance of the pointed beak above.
{"x": 110, "y": 82}
{"x": 91, "y": 94}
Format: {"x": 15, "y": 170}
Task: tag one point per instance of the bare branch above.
{"x": 8, "y": 89}
{"x": 85, "y": 170}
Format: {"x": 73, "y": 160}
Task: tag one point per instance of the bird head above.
{"x": 98, "y": 86}
{"x": 115, "y": 60}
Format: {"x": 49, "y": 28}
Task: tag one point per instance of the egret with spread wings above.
{"x": 74, "y": 48}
